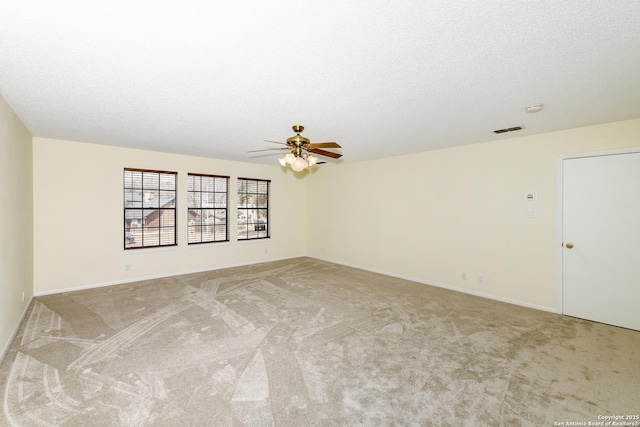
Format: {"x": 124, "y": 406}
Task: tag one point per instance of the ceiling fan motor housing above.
{"x": 297, "y": 141}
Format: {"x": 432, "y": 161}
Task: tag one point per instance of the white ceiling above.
{"x": 381, "y": 78}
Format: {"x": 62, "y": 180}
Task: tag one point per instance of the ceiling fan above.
{"x": 301, "y": 151}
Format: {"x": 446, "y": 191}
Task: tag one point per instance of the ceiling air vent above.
{"x": 508, "y": 129}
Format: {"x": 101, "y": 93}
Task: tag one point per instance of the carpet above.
{"x": 303, "y": 342}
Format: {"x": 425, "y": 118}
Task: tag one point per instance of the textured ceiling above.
{"x": 381, "y": 78}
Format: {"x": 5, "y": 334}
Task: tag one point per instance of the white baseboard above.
{"x": 386, "y": 273}
{"x": 156, "y": 276}
{"x": 442, "y": 285}
{"x": 15, "y": 330}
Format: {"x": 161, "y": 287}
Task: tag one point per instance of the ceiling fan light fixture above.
{"x": 299, "y": 164}
{"x": 289, "y": 158}
{"x": 300, "y": 157}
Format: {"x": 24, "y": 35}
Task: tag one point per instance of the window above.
{"x": 253, "y": 208}
{"x": 207, "y": 211}
{"x": 149, "y": 208}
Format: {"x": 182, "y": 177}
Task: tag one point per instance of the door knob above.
{"x": 569, "y": 245}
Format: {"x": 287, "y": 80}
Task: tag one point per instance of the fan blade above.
{"x": 268, "y": 149}
{"x": 324, "y": 145}
{"x": 275, "y": 142}
{"x": 325, "y": 153}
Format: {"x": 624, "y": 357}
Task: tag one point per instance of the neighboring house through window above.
{"x": 207, "y": 211}
{"x": 149, "y": 208}
{"x": 253, "y": 208}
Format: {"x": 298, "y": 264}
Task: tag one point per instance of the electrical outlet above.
{"x": 22, "y": 296}
{"x": 127, "y": 267}
{"x": 481, "y": 279}
{"x": 463, "y": 276}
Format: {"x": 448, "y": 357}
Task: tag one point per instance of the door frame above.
{"x": 559, "y": 217}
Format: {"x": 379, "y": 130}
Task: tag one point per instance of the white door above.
{"x": 601, "y": 237}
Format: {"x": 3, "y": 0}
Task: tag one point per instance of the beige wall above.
{"x": 78, "y": 217}
{"x": 429, "y": 217}
{"x": 432, "y": 216}
{"x": 16, "y": 222}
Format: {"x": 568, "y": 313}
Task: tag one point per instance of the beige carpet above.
{"x": 308, "y": 343}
